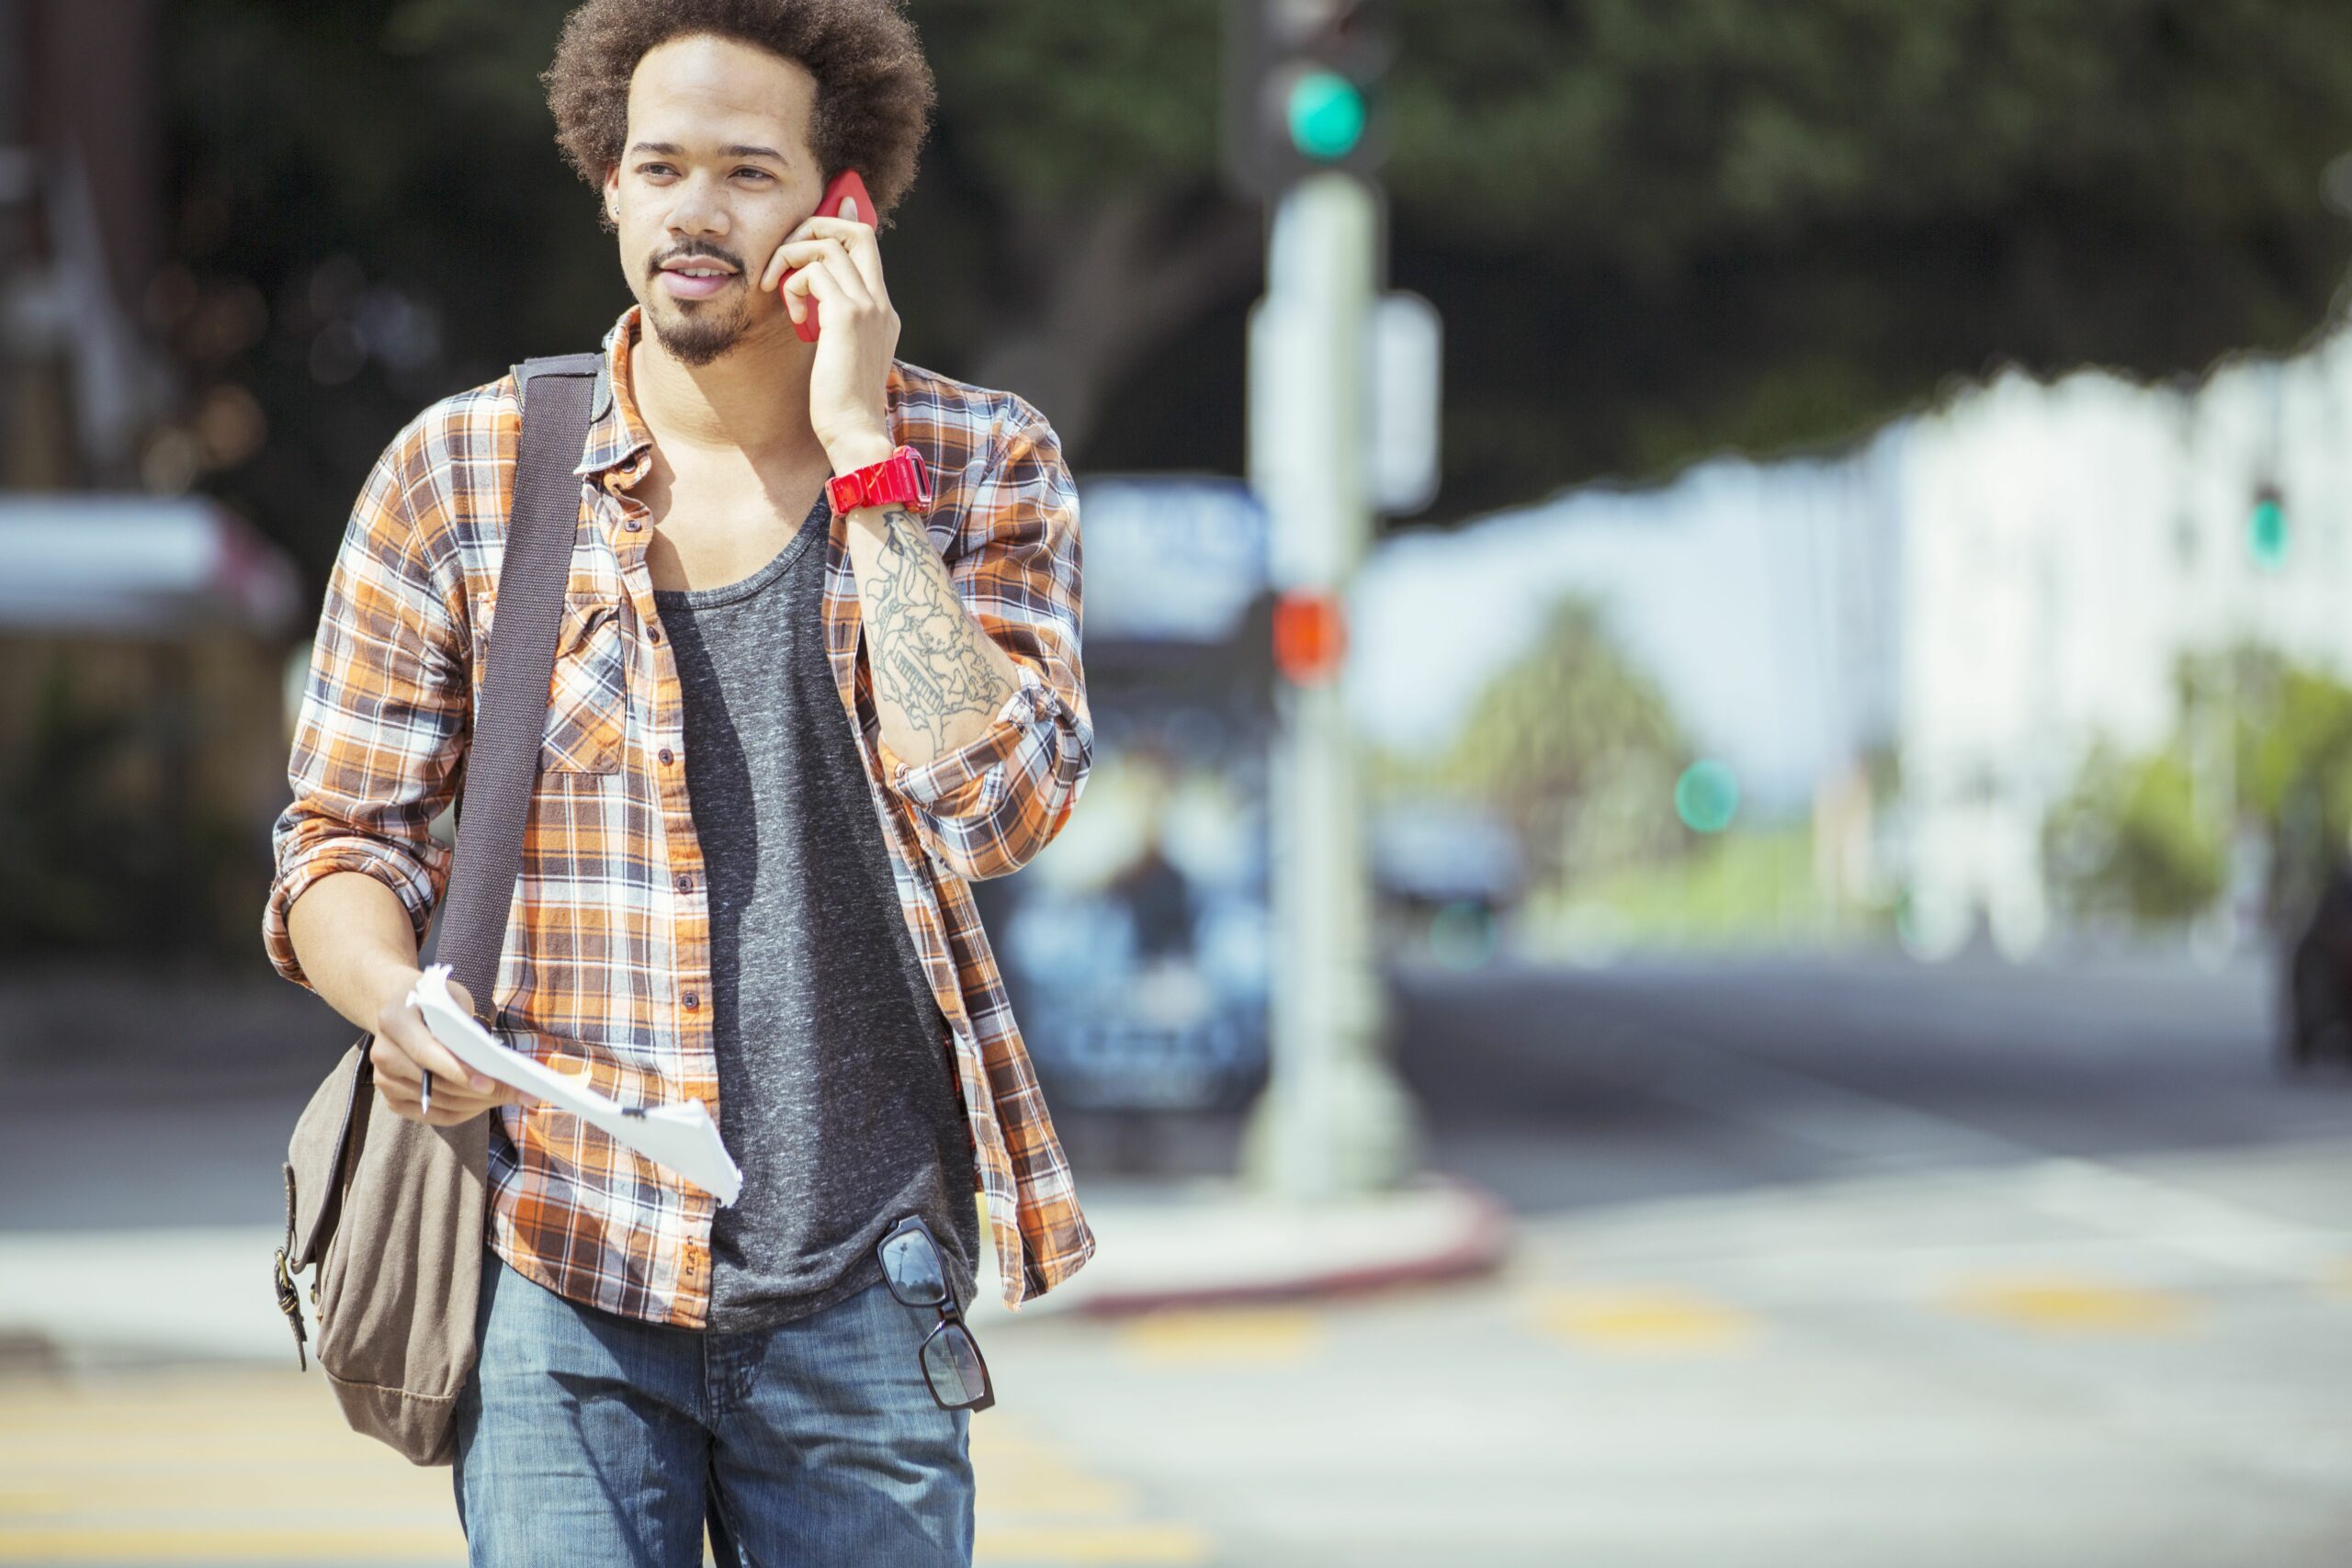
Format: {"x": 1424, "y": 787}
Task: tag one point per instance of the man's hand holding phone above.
{"x": 835, "y": 263}
{"x": 404, "y": 1051}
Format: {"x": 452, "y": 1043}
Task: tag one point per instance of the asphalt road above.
{"x": 1851, "y": 1263}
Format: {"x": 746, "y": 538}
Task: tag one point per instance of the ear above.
{"x": 613, "y": 192}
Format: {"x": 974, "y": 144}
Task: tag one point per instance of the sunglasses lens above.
{"x": 912, "y": 1266}
{"x": 952, "y": 1362}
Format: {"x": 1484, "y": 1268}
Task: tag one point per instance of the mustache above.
{"x": 702, "y": 248}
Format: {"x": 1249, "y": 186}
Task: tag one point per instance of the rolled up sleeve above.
{"x": 379, "y": 739}
{"x": 987, "y": 807}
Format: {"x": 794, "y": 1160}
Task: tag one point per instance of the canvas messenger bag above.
{"x": 388, "y": 1213}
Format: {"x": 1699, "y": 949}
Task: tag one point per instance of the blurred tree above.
{"x": 1655, "y": 227}
{"x": 1572, "y": 746}
{"x": 2128, "y": 843}
{"x": 2270, "y": 742}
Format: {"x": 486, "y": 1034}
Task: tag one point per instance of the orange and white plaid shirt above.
{"x": 607, "y": 963}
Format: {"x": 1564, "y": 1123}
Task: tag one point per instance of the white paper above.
{"x": 680, "y": 1136}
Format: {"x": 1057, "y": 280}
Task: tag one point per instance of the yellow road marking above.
{"x": 1645, "y": 1319}
{"x": 1035, "y": 1504}
{"x": 186, "y": 1542}
{"x": 1223, "y": 1334}
{"x": 2058, "y": 1305}
{"x": 241, "y": 1465}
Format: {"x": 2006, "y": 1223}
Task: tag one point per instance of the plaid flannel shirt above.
{"x": 606, "y": 967}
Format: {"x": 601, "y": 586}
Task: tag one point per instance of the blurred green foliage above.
{"x": 2128, "y": 841}
{"x": 2263, "y": 748}
{"x": 1655, "y": 228}
{"x": 1572, "y": 746}
{"x": 1763, "y": 224}
{"x": 1749, "y": 888}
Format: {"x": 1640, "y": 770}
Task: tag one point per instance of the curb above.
{"x": 1213, "y": 1244}
{"x": 1480, "y": 1250}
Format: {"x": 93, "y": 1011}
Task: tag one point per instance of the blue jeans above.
{"x": 588, "y": 1440}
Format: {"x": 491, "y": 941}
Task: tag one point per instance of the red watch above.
{"x": 900, "y": 477}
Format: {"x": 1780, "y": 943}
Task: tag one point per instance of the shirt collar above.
{"x": 616, "y": 433}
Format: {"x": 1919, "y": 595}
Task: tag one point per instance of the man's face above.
{"x": 714, "y": 173}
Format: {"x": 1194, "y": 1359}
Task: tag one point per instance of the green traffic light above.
{"x": 2266, "y": 530}
{"x": 1325, "y": 112}
{"x": 1707, "y": 796}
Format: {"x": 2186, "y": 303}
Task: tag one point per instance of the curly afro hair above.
{"x": 874, "y": 92}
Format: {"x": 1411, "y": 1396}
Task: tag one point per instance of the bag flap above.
{"x": 319, "y": 1152}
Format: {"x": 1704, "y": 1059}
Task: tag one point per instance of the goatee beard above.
{"x": 697, "y": 340}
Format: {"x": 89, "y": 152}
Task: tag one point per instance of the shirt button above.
{"x": 632, "y": 524}
{"x": 692, "y": 1000}
{"x": 666, "y": 757}
{"x": 653, "y": 632}
{"x": 685, "y": 883}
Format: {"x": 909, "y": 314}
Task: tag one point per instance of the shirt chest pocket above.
{"x": 587, "y": 717}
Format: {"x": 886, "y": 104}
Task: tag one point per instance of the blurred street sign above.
{"x": 1401, "y": 389}
{"x": 1171, "y": 558}
{"x": 1407, "y": 360}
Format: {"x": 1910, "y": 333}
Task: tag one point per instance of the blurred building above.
{"x": 1916, "y": 646}
{"x": 2062, "y": 546}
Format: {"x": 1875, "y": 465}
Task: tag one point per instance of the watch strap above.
{"x": 902, "y": 477}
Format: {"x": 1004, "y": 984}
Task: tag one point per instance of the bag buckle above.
{"x": 291, "y": 1303}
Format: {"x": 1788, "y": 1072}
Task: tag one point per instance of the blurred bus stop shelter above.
{"x": 1135, "y": 945}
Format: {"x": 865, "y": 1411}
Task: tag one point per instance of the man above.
{"x": 782, "y": 741}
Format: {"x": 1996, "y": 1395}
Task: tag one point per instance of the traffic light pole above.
{"x": 1333, "y": 1119}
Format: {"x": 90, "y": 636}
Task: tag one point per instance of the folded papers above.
{"x": 680, "y": 1136}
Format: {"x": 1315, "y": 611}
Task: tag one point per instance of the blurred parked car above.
{"x": 2316, "y": 979}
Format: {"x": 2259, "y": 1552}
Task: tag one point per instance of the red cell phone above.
{"x": 847, "y": 186}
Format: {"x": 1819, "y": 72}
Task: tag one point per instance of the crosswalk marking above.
{"x": 215, "y": 1464}
{"x": 184, "y": 1542}
{"x": 1641, "y": 1318}
{"x": 1036, "y": 1505}
{"x": 2062, "y": 1305}
{"x": 251, "y": 1465}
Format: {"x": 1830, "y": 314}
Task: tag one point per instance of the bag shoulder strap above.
{"x": 542, "y": 526}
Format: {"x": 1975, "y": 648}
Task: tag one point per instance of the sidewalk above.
{"x": 202, "y": 1292}
{"x": 1211, "y": 1243}
{"x": 146, "y": 1110}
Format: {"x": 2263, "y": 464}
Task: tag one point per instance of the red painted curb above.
{"x": 1482, "y": 1246}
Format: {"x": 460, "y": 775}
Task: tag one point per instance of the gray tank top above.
{"x": 835, "y": 1092}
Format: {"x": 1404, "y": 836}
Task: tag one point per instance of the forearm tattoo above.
{"x": 924, "y": 648}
